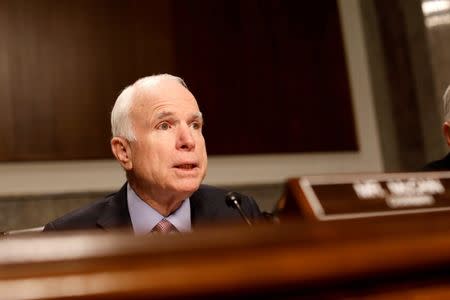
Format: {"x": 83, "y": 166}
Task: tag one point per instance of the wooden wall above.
{"x": 270, "y": 76}
{"x": 65, "y": 63}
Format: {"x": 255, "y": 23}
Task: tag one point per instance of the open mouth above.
{"x": 186, "y": 166}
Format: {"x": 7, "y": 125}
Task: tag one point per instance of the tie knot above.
{"x": 164, "y": 226}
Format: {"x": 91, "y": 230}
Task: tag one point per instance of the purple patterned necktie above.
{"x": 164, "y": 226}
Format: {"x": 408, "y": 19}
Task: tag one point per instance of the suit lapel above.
{"x": 116, "y": 214}
{"x": 204, "y": 208}
{"x": 195, "y": 201}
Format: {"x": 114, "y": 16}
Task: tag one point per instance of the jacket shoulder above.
{"x": 82, "y": 218}
{"x": 208, "y": 205}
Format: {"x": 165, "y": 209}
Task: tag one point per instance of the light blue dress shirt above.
{"x": 144, "y": 217}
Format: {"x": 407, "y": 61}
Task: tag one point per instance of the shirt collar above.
{"x": 144, "y": 217}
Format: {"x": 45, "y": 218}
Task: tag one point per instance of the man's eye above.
{"x": 196, "y": 125}
{"x": 163, "y": 126}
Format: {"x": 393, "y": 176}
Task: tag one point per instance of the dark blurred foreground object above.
{"x": 357, "y": 196}
{"x": 357, "y": 259}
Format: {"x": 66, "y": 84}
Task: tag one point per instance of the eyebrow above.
{"x": 197, "y": 115}
{"x": 165, "y": 114}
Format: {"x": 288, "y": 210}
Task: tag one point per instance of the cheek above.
{"x": 203, "y": 156}
{"x": 201, "y": 146}
{"x": 145, "y": 155}
{"x": 201, "y": 141}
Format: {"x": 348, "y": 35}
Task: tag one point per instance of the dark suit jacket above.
{"x": 439, "y": 165}
{"x": 207, "y": 206}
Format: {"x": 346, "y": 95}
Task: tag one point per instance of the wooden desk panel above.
{"x": 362, "y": 259}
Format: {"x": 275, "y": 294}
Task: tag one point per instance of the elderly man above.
{"x": 444, "y": 163}
{"x": 157, "y": 139}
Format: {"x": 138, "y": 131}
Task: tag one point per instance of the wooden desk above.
{"x": 361, "y": 259}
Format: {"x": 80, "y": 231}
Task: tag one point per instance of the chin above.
{"x": 187, "y": 186}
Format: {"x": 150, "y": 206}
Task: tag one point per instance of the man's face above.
{"x": 169, "y": 154}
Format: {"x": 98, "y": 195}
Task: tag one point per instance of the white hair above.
{"x": 446, "y": 99}
{"x": 121, "y": 125}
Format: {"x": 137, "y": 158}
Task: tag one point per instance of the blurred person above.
{"x": 444, "y": 163}
{"x": 157, "y": 139}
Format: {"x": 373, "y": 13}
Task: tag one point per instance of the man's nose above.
{"x": 185, "y": 139}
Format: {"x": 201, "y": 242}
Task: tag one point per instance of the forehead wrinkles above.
{"x": 141, "y": 107}
{"x": 174, "y": 105}
{"x": 149, "y": 103}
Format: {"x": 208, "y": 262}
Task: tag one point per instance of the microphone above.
{"x": 234, "y": 200}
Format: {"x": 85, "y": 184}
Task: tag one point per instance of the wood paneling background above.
{"x": 270, "y": 76}
{"x": 65, "y": 63}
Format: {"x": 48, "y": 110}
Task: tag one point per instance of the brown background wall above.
{"x": 270, "y": 76}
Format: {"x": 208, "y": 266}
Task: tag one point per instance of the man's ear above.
{"x": 122, "y": 151}
{"x": 446, "y": 129}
